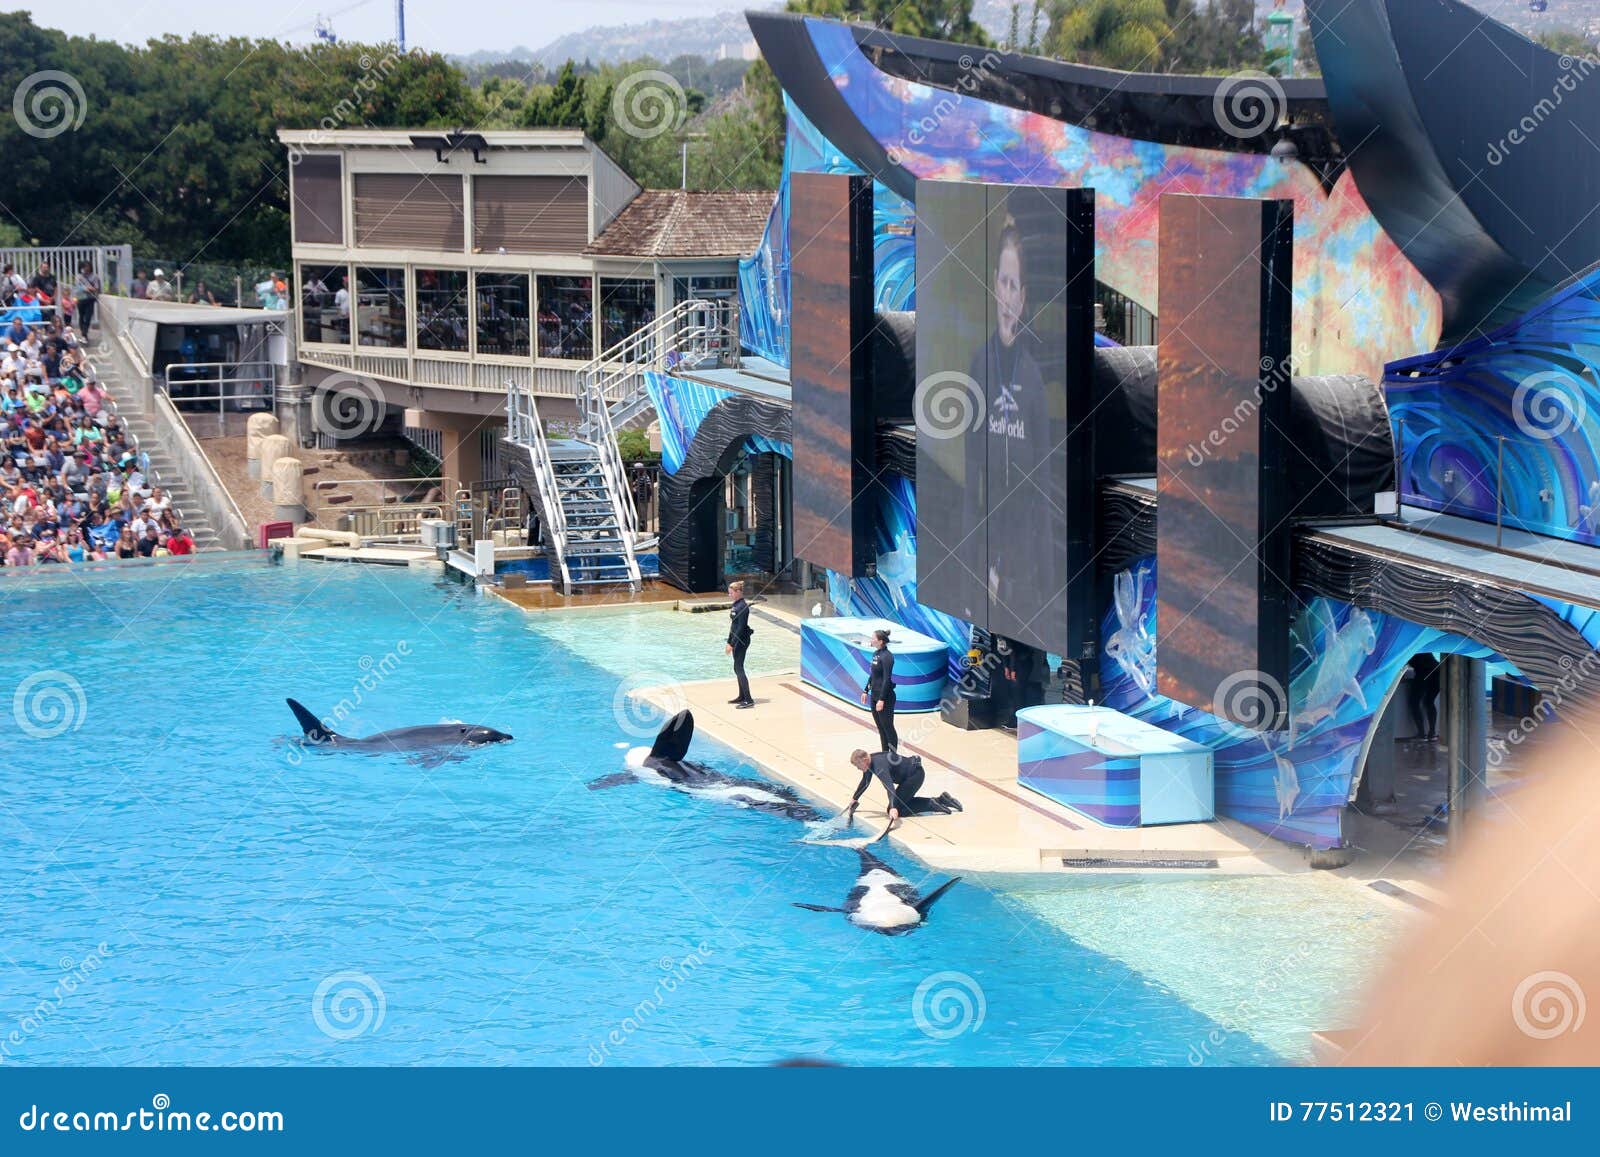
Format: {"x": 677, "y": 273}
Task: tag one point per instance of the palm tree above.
{"x": 1127, "y": 34}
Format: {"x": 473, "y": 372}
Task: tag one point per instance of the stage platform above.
{"x": 1531, "y": 563}
{"x": 757, "y": 377}
{"x": 800, "y": 736}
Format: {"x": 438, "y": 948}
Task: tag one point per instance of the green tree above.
{"x": 1128, "y": 34}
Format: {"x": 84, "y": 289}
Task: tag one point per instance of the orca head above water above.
{"x": 883, "y": 900}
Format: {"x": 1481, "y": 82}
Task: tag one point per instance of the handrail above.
{"x": 240, "y": 528}
{"x": 611, "y": 467}
{"x": 615, "y": 376}
{"x": 522, "y": 420}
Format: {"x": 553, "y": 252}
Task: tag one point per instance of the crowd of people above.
{"x": 71, "y": 478}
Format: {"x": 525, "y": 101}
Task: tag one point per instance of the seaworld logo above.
{"x": 1006, "y": 419}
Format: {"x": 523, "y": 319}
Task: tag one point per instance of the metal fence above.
{"x": 250, "y": 285}
{"x": 111, "y": 263}
{"x": 220, "y": 386}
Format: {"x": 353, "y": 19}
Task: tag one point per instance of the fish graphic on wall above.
{"x": 1333, "y": 675}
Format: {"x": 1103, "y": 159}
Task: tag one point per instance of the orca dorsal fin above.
{"x": 672, "y": 741}
{"x": 310, "y": 724}
{"x": 926, "y": 902}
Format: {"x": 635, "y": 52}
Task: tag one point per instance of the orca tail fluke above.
{"x": 672, "y": 742}
{"x": 927, "y": 901}
{"x": 818, "y": 908}
{"x": 615, "y": 779}
{"x": 310, "y": 724}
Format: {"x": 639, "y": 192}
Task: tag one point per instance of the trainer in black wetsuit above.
{"x": 879, "y": 692}
{"x": 1423, "y": 693}
{"x": 901, "y": 777}
{"x": 739, "y": 633}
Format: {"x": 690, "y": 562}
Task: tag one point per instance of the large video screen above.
{"x": 830, "y": 273}
{"x": 1223, "y": 537}
{"x": 1005, "y": 313}
{"x": 950, "y": 406}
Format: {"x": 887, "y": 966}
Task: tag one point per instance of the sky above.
{"x": 435, "y": 24}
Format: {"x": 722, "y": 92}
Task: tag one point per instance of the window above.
{"x": 705, "y": 288}
{"x": 325, "y": 304}
{"x": 627, "y": 305}
{"x": 442, "y": 310}
{"x": 381, "y": 307}
{"x": 317, "y": 182}
{"x": 503, "y": 314}
{"x": 566, "y": 317}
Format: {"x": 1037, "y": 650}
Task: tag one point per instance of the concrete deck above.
{"x": 803, "y": 737}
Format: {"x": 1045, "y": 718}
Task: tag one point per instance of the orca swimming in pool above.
{"x": 438, "y": 739}
{"x": 666, "y": 762}
{"x": 883, "y": 900}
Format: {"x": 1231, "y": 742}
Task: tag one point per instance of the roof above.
{"x": 401, "y": 138}
{"x": 176, "y": 313}
{"x": 686, "y": 223}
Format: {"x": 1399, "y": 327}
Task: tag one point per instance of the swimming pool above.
{"x": 185, "y": 885}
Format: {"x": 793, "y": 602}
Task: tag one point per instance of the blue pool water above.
{"x": 184, "y": 885}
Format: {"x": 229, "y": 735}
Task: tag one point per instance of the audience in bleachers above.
{"x": 73, "y": 486}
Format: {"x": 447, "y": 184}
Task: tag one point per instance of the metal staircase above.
{"x": 590, "y": 527}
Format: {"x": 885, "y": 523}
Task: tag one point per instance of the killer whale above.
{"x": 667, "y": 760}
{"x": 883, "y": 900}
{"x": 434, "y": 738}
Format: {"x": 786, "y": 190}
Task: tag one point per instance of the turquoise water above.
{"x": 185, "y": 885}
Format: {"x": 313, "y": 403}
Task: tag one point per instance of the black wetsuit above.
{"x": 901, "y": 777}
{"x": 1423, "y": 693}
{"x": 739, "y": 639}
{"x": 880, "y": 689}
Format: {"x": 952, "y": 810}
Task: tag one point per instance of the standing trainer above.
{"x": 878, "y": 694}
{"x": 739, "y": 633}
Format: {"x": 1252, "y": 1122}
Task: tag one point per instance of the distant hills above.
{"x": 725, "y": 35}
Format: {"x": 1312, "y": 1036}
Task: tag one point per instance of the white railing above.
{"x": 112, "y": 264}
{"x": 219, "y": 383}
{"x": 616, "y": 478}
{"x": 524, "y": 428}
{"x": 692, "y": 331}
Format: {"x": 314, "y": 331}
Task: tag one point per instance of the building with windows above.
{"x": 434, "y": 268}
